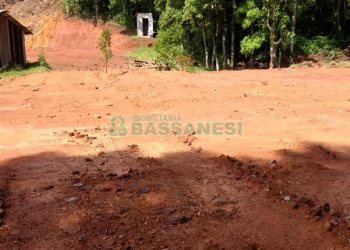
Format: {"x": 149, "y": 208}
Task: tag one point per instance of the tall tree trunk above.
{"x": 294, "y": 22}
{"x": 224, "y": 53}
{"x": 338, "y": 17}
{"x": 345, "y": 12}
{"x": 279, "y": 56}
{"x": 272, "y": 49}
{"x": 206, "y": 51}
{"x": 96, "y": 9}
{"x": 251, "y": 60}
{"x": 233, "y": 34}
{"x": 217, "y": 66}
{"x": 213, "y": 54}
{"x": 224, "y": 36}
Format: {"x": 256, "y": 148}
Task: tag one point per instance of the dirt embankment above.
{"x": 68, "y": 43}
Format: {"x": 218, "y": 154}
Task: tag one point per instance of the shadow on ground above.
{"x": 120, "y": 200}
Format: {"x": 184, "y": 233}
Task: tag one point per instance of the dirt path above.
{"x": 67, "y": 184}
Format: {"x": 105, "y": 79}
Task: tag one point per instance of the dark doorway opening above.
{"x": 16, "y": 44}
{"x": 145, "y": 26}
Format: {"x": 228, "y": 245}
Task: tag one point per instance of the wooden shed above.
{"x": 12, "y": 45}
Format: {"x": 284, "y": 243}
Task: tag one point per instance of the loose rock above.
{"x": 73, "y": 199}
{"x": 179, "y": 219}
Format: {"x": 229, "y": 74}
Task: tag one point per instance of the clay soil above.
{"x": 66, "y": 183}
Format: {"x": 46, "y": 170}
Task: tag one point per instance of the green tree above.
{"x": 105, "y": 45}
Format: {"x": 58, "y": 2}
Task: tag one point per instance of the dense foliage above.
{"x": 220, "y": 33}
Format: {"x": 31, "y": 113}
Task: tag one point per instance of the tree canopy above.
{"x": 221, "y": 33}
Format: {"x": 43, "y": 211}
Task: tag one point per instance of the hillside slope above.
{"x": 67, "y": 42}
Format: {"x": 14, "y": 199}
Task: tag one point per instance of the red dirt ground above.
{"x": 65, "y": 183}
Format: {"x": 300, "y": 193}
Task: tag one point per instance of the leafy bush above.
{"x": 319, "y": 45}
{"x": 124, "y": 19}
{"x": 169, "y": 45}
{"x": 42, "y": 60}
{"x": 249, "y": 44}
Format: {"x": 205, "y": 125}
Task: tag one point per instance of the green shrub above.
{"x": 169, "y": 45}
{"x": 42, "y": 60}
{"x": 319, "y": 45}
{"x": 124, "y": 19}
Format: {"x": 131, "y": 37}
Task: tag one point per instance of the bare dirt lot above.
{"x": 66, "y": 183}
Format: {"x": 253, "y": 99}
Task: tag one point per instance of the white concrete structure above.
{"x": 145, "y": 24}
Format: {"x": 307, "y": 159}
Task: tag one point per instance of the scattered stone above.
{"x": 79, "y": 184}
{"x": 105, "y": 188}
{"x": 222, "y": 202}
{"x": 46, "y": 188}
{"x": 35, "y": 89}
{"x": 133, "y": 146}
{"x": 179, "y": 219}
{"x": 88, "y": 160}
{"x": 73, "y": 199}
{"x": 316, "y": 211}
{"x": 144, "y": 191}
{"x": 306, "y": 201}
{"x": 80, "y": 136}
{"x": 75, "y": 172}
{"x": 97, "y": 116}
{"x": 331, "y": 224}
{"x": 287, "y": 198}
{"x": 101, "y": 153}
{"x": 326, "y": 207}
{"x": 222, "y": 213}
{"x": 111, "y": 175}
{"x": 295, "y": 205}
{"x": 199, "y": 149}
{"x": 328, "y": 226}
{"x": 71, "y": 134}
{"x": 85, "y": 187}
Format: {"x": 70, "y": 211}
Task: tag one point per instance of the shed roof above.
{"x": 13, "y": 20}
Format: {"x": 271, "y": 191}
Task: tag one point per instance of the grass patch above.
{"x": 30, "y": 68}
{"x": 144, "y": 53}
{"x": 194, "y": 69}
